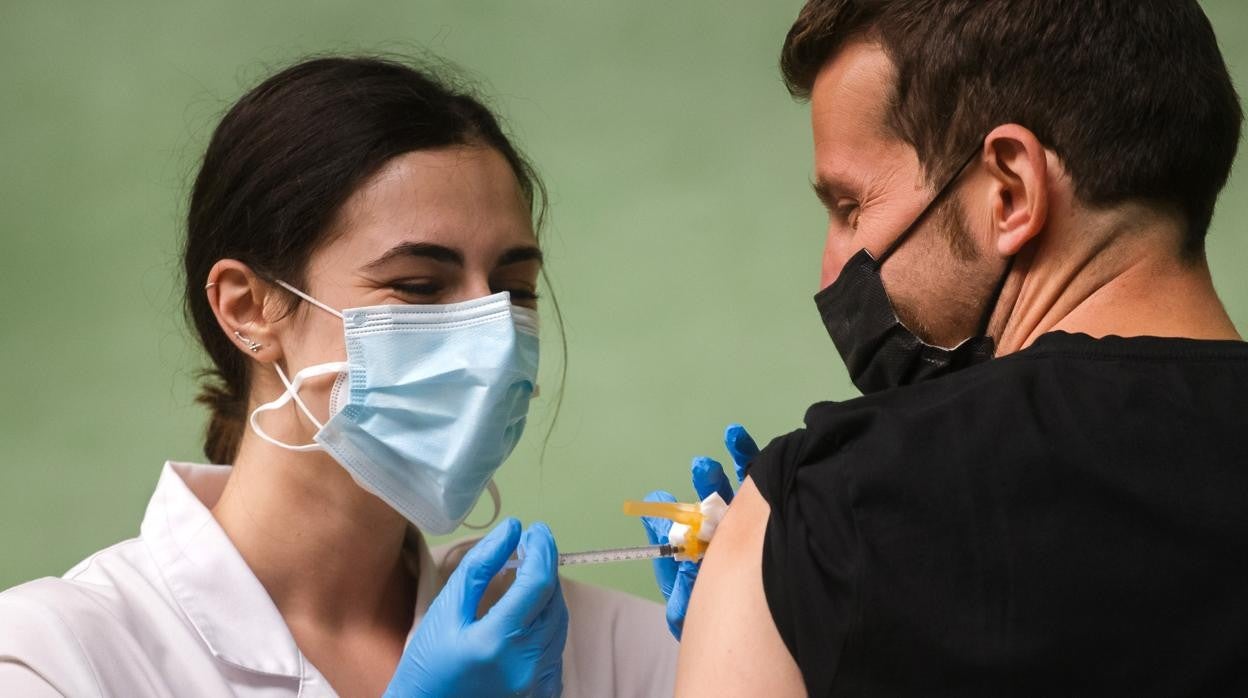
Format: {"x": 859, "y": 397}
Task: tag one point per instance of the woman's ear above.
{"x": 1018, "y": 165}
{"x": 237, "y": 297}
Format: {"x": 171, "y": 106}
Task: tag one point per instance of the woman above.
{"x": 361, "y": 268}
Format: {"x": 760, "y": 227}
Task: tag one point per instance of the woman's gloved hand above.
{"x": 676, "y": 579}
{"x": 516, "y": 649}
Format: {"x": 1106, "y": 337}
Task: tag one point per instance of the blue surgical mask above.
{"x": 429, "y": 403}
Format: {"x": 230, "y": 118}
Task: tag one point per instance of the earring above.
{"x": 253, "y": 345}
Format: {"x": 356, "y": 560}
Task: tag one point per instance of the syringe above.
{"x": 594, "y": 557}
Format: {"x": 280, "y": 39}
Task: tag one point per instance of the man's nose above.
{"x": 834, "y": 259}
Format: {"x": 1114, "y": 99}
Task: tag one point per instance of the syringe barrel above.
{"x": 595, "y": 557}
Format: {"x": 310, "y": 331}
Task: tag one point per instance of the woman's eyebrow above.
{"x": 428, "y": 250}
{"x": 516, "y": 255}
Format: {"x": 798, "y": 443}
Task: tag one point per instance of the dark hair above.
{"x": 1133, "y": 95}
{"x": 283, "y": 161}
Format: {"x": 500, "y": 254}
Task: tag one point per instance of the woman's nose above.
{"x": 471, "y": 288}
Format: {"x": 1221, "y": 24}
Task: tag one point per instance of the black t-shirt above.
{"x": 1070, "y": 520}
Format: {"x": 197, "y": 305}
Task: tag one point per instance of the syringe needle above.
{"x": 594, "y": 557}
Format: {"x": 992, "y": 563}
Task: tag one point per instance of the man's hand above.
{"x": 675, "y": 579}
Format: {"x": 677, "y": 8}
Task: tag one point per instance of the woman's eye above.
{"x": 416, "y": 288}
{"x": 522, "y": 294}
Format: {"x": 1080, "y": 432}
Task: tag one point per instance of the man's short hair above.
{"x": 1132, "y": 95}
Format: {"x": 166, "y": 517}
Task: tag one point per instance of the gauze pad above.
{"x": 713, "y": 509}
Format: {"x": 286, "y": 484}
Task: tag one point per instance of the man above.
{"x": 1057, "y": 504}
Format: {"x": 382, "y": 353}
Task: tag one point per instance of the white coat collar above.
{"x": 214, "y": 587}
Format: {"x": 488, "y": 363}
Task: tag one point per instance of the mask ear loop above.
{"x": 309, "y": 299}
{"x": 498, "y": 500}
{"x": 292, "y": 388}
{"x": 292, "y": 392}
{"x": 931, "y": 206}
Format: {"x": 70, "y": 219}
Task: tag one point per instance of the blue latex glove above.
{"x": 515, "y": 649}
{"x": 676, "y": 579}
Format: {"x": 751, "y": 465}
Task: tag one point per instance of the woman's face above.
{"x": 432, "y": 226}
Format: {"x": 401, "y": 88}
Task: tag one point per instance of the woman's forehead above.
{"x": 464, "y": 198}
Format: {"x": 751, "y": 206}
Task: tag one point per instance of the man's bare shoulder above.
{"x": 730, "y": 644}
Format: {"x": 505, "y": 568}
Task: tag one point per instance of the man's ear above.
{"x": 238, "y": 298}
{"x": 1018, "y": 193}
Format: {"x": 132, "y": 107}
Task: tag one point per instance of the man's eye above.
{"x": 847, "y": 210}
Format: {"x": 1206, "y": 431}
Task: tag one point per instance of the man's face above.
{"x": 873, "y": 187}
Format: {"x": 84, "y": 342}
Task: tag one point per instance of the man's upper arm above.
{"x": 730, "y": 644}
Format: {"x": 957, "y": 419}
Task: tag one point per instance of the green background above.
{"x": 684, "y": 243}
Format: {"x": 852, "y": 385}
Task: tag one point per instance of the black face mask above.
{"x": 879, "y": 351}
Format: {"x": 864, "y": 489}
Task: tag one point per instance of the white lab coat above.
{"x": 177, "y": 612}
